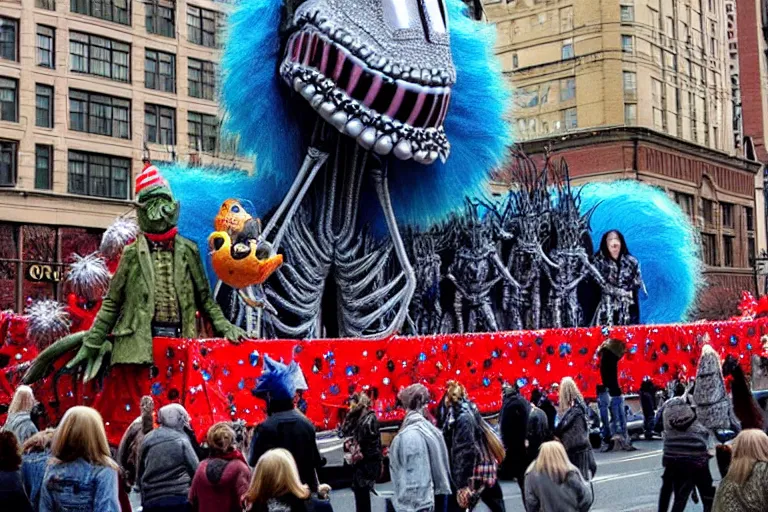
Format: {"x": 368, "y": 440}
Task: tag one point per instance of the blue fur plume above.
{"x": 277, "y": 380}
{"x": 475, "y": 127}
{"x": 659, "y": 235}
{"x": 257, "y": 103}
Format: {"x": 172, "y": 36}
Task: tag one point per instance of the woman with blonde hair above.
{"x": 573, "y": 429}
{"x": 222, "y": 478}
{"x": 19, "y": 421}
{"x": 276, "y": 487}
{"x": 743, "y": 489}
{"x": 81, "y": 474}
{"x": 553, "y": 484}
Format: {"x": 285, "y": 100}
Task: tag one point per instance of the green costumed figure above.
{"x": 157, "y": 290}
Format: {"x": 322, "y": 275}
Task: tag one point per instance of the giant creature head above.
{"x": 378, "y": 71}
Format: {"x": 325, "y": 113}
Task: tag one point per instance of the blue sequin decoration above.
{"x": 422, "y": 357}
{"x": 206, "y": 375}
{"x": 334, "y": 389}
{"x": 241, "y": 384}
{"x": 565, "y": 349}
{"x": 733, "y": 340}
{"x": 522, "y": 382}
{"x": 486, "y": 381}
{"x": 157, "y": 388}
{"x": 253, "y": 358}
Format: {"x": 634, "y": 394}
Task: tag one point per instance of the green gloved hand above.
{"x": 92, "y": 356}
{"x": 234, "y": 334}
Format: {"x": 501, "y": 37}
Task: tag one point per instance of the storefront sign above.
{"x": 44, "y": 273}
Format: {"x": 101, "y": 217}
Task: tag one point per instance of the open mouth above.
{"x": 385, "y": 114}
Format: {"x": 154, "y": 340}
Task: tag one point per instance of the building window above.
{"x": 46, "y": 44}
{"x": 98, "y": 175}
{"x": 202, "y": 79}
{"x": 203, "y": 132}
{"x": 8, "y": 151}
{"x": 685, "y": 201}
{"x": 750, "y": 218}
{"x": 9, "y": 99}
{"x": 118, "y": 11}
{"x": 201, "y": 26}
{"x": 515, "y": 61}
{"x": 49, "y": 5}
{"x": 567, "y": 50}
{"x": 43, "y": 167}
{"x": 630, "y": 114}
{"x": 161, "y": 17}
{"x": 751, "y": 250}
{"x": 160, "y": 124}
{"x": 627, "y": 44}
{"x": 627, "y": 13}
{"x": 726, "y": 211}
{"x": 630, "y": 85}
{"x": 99, "y": 56}
{"x": 160, "y": 71}
{"x": 727, "y": 251}
{"x": 709, "y": 249}
{"x": 9, "y": 28}
{"x": 708, "y": 212}
{"x": 658, "y": 118}
{"x": 99, "y": 114}
{"x": 571, "y": 122}
{"x": 567, "y": 89}
{"x": 43, "y": 106}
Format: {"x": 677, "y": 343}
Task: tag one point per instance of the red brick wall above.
{"x": 748, "y": 21}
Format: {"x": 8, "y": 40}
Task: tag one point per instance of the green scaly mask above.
{"x": 158, "y": 212}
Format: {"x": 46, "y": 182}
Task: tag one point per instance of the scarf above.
{"x": 162, "y": 237}
{"x": 230, "y": 455}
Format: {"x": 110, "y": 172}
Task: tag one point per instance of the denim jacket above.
{"x": 32, "y": 473}
{"x": 79, "y": 486}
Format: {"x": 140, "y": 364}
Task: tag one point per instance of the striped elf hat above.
{"x": 149, "y": 179}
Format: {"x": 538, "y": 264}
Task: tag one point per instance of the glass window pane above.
{"x": 43, "y": 156}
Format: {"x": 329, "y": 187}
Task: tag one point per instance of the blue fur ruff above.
{"x": 261, "y": 109}
{"x": 659, "y": 235}
{"x": 277, "y": 380}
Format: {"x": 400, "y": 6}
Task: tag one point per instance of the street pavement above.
{"x": 625, "y": 482}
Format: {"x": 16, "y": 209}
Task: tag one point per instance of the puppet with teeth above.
{"x": 364, "y": 116}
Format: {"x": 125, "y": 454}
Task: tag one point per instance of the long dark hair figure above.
{"x": 603, "y": 249}
{"x": 745, "y": 406}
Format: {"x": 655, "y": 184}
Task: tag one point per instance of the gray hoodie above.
{"x": 167, "y": 461}
{"x": 544, "y": 495}
{"x": 418, "y": 462}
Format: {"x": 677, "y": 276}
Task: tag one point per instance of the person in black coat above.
{"x": 285, "y": 427}
{"x": 12, "y": 492}
{"x": 362, "y": 427}
{"x": 513, "y": 423}
{"x": 540, "y": 400}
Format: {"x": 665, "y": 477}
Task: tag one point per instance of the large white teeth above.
{"x": 384, "y": 145}
{"x": 433, "y": 156}
{"x": 367, "y": 138}
{"x": 353, "y": 127}
{"x": 422, "y": 156}
{"x": 308, "y": 91}
{"x": 403, "y": 150}
{"x": 298, "y": 84}
{"x": 326, "y": 110}
{"x": 316, "y": 100}
{"x": 339, "y": 119}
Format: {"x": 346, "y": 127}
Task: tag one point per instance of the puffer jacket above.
{"x": 79, "y": 486}
{"x": 751, "y": 496}
{"x": 544, "y": 495}
{"x": 219, "y": 484}
{"x": 20, "y": 423}
{"x": 167, "y": 464}
{"x": 685, "y": 438}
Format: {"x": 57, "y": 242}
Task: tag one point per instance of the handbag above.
{"x": 352, "y": 452}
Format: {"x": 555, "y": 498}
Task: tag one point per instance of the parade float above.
{"x": 381, "y": 258}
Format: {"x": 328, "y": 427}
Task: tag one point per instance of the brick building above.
{"x": 641, "y": 89}
{"x": 85, "y": 86}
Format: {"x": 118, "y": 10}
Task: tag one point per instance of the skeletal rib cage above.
{"x": 521, "y": 261}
